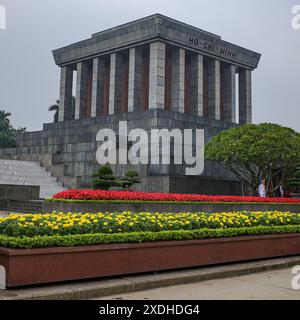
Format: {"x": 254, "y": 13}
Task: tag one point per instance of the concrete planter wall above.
{"x": 164, "y": 207}
{"x": 295, "y": 195}
{"x": 19, "y": 192}
{"x": 22, "y": 206}
{"x": 38, "y": 266}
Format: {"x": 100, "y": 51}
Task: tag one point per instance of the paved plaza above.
{"x": 269, "y": 285}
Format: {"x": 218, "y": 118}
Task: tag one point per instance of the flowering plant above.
{"x": 31, "y": 225}
{"x": 146, "y": 196}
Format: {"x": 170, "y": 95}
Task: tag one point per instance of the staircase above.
{"x": 29, "y": 173}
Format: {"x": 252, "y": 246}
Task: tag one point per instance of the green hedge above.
{"x": 139, "y": 237}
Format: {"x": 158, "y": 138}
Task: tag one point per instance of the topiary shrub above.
{"x": 104, "y": 178}
{"x": 131, "y": 178}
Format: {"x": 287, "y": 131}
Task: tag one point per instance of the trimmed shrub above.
{"x": 131, "y": 178}
{"x": 139, "y": 237}
{"x": 104, "y": 178}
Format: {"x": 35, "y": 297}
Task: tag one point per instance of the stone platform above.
{"x": 68, "y": 150}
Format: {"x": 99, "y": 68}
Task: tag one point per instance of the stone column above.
{"x": 178, "y": 77}
{"x": 213, "y": 89}
{"x": 229, "y": 98}
{"x": 115, "y": 83}
{"x": 157, "y": 75}
{"x": 135, "y": 79}
{"x": 98, "y": 87}
{"x": 197, "y": 85}
{"x": 245, "y": 96}
{"x": 82, "y": 89}
{"x": 65, "y": 96}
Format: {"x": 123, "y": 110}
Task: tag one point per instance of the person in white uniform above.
{"x": 262, "y": 189}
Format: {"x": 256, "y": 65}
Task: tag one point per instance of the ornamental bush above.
{"x": 131, "y": 178}
{"x": 104, "y": 178}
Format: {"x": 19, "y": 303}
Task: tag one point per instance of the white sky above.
{"x": 29, "y": 78}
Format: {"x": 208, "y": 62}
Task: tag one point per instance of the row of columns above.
{"x": 212, "y": 85}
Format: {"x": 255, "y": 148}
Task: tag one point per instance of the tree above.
{"x": 131, "y": 178}
{"x": 4, "y": 119}
{"x": 104, "y": 178}
{"x": 55, "y": 108}
{"x": 7, "y": 132}
{"x": 253, "y": 152}
{"x": 294, "y": 182}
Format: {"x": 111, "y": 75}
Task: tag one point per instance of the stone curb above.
{"x": 113, "y": 286}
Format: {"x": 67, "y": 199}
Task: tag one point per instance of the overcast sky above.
{"x": 29, "y": 78}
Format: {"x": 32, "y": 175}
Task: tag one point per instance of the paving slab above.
{"x": 268, "y": 285}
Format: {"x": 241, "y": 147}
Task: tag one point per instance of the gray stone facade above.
{"x": 66, "y": 87}
{"x": 213, "y": 91}
{"x": 68, "y": 149}
{"x": 157, "y": 76}
{"x": 98, "y": 87}
{"x": 155, "y": 72}
{"x": 196, "y": 103}
{"x": 135, "y": 79}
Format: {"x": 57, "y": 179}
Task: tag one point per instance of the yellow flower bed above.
{"x": 127, "y": 221}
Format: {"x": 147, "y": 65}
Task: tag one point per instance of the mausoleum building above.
{"x": 154, "y": 72}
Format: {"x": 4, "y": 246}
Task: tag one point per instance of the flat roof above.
{"x": 156, "y": 15}
{"x": 156, "y": 27}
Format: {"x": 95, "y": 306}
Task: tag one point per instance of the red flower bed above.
{"x": 145, "y": 196}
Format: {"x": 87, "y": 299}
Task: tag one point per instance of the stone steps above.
{"x": 5, "y": 167}
{"x": 29, "y": 173}
{"x": 31, "y": 182}
{"x": 25, "y": 172}
{"x": 20, "y": 163}
{"x": 25, "y": 177}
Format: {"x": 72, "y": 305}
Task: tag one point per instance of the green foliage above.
{"x": 131, "y": 174}
{"x": 139, "y": 237}
{"x": 55, "y": 108}
{"x": 90, "y": 223}
{"x": 7, "y": 132}
{"x": 104, "y": 178}
{"x": 254, "y": 151}
{"x": 131, "y": 178}
{"x": 105, "y": 171}
{"x": 294, "y": 182}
